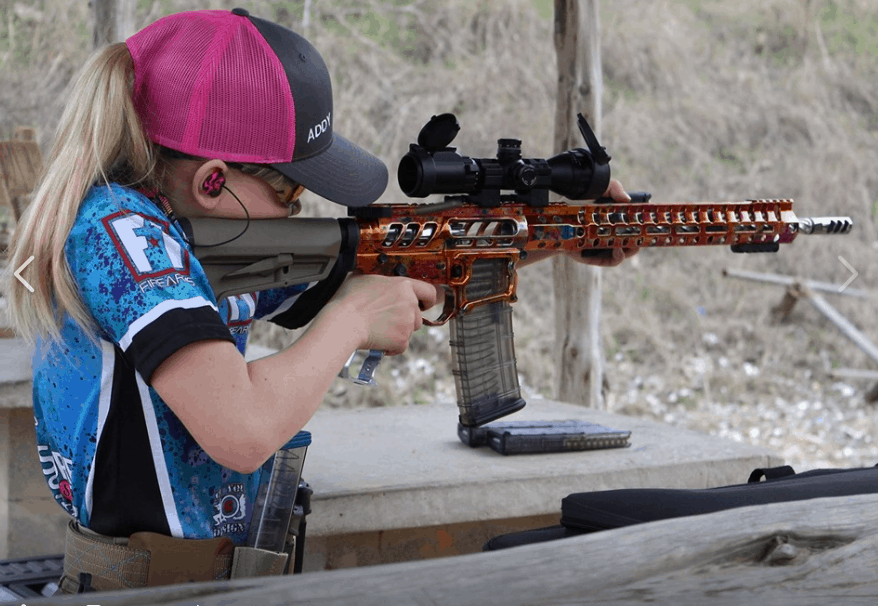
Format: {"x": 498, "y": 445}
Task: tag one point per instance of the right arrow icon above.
{"x": 18, "y": 271}
{"x": 853, "y": 276}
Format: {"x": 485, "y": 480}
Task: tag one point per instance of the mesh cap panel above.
{"x": 222, "y": 84}
{"x": 197, "y": 78}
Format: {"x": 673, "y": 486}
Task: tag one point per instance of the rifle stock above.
{"x": 247, "y": 256}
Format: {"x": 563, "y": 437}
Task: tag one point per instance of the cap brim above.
{"x": 344, "y": 173}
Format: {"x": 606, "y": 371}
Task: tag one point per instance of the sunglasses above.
{"x": 289, "y": 191}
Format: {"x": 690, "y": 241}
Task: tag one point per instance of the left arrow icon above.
{"x": 18, "y": 271}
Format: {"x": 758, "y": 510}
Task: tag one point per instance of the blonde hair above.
{"x": 99, "y": 134}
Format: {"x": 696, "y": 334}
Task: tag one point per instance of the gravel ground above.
{"x": 813, "y": 424}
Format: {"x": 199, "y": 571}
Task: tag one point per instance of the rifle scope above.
{"x": 431, "y": 167}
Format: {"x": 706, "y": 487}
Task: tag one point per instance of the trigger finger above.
{"x": 426, "y": 294}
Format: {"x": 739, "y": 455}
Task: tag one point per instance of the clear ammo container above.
{"x": 276, "y": 496}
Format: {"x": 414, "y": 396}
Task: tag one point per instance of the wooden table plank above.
{"x": 819, "y": 552}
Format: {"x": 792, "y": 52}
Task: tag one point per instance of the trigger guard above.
{"x": 449, "y": 310}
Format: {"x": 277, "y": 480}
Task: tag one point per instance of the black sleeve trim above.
{"x": 171, "y": 331}
{"x": 310, "y": 302}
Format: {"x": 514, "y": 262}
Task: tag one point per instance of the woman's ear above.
{"x": 207, "y": 184}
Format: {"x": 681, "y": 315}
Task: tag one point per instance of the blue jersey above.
{"x": 114, "y": 454}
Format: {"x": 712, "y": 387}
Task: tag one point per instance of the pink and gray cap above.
{"x": 226, "y": 85}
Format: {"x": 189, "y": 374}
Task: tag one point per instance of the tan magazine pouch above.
{"x": 252, "y": 562}
{"x": 183, "y": 560}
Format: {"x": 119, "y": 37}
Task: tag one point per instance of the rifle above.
{"x": 472, "y": 241}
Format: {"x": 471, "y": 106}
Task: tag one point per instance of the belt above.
{"x": 146, "y": 559}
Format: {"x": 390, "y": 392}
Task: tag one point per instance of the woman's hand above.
{"x": 616, "y": 255}
{"x": 617, "y": 193}
{"x": 387, "y": 309}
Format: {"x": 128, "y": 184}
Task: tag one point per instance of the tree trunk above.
{"x": 114, "y": 21}
{"x": 579, "y": 353}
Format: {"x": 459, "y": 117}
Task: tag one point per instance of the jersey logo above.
{"x": 58, "y": 471}
{"x": 240, "y": 310}
{"x": 145, "y": 245}
{"x": 230, "y": 510}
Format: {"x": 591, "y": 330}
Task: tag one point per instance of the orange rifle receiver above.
{"x": 472, "y": 242}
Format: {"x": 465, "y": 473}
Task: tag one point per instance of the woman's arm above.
{"x": 241, "y": 413}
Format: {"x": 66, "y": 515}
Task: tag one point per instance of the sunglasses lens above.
{"x": 290, "y": 193}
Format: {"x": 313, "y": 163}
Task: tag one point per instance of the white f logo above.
{"x": 148, "y": 247}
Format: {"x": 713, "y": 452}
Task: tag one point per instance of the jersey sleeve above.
{"x": 139, "y": 280}
{"x": 298, "y": 310}
{"x": 278, "y": 300}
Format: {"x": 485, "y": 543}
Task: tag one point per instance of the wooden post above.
{"x": 306, "y": 15}
{"x": 20, "y": 166}
{"x": 781, "y": 312}
{"x": 579, "y": 352}
{"x": 24, "y": 133}
{"x": 114, "y": 21}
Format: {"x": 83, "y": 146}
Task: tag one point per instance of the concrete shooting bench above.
{"x": 395, "y": 484}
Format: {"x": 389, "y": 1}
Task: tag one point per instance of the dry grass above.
{"x": 703, "y": 100}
